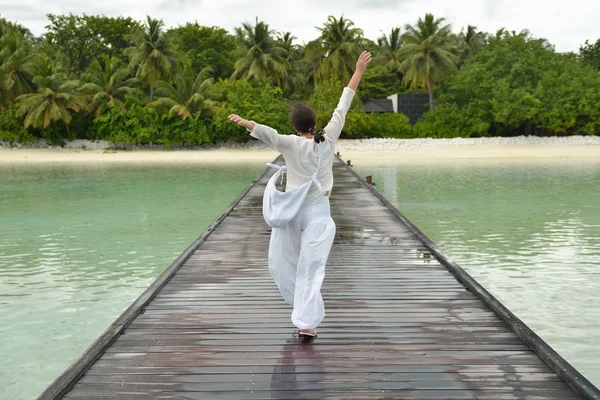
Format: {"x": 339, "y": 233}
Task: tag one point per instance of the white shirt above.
{"x": 300, "y": 153}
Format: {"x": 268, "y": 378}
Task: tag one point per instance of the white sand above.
{"x": 372, "y": 151}
{"x": 53, "y": 155}
{"x": 505, "y": 153}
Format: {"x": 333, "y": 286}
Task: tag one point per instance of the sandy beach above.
{"x": 372, "y": 151}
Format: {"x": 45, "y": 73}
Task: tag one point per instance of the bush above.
{"x": 449, "y": 121}
{"x": 143, "y": 125}
{"x": 11, "y": 128}
{"x": 360, "y": 124}
{"x": 262, "y": 103}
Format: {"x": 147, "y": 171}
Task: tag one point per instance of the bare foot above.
{"x": 311, "y": 332}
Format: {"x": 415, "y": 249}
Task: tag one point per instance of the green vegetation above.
{"x": 428, "y": 54}
{"x": 134, "y": 82}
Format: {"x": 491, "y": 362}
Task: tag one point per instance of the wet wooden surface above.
{"x": 397, "y": 325}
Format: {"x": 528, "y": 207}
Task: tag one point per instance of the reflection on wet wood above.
{"x": 398, "y": 324}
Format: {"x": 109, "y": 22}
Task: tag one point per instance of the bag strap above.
{"x": 314, "y": 177}
{"x": 280, "y": 170}
{"x": 319, "y": 158}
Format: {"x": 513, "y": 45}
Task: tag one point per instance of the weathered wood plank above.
{"x": 348, "y": 393}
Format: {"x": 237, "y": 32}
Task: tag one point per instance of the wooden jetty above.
{"x": 403, "y": 321}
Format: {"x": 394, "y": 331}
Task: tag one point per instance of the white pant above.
{"x": 298, "y": 253}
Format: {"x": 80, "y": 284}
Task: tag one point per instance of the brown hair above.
{"x": 304, "y": 120}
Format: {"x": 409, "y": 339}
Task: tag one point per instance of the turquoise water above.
{"x": 79, "y": 244}
{"x": 528, "y": 232}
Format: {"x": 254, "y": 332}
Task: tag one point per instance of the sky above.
{"x": 566, "y": 24}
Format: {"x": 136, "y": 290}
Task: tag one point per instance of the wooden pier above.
{"x": 403, "y": 321}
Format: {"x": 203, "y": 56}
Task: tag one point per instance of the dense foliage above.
{"x": 136, "y": 82}
{"x": 515, "y": 85}
{"x": 590, "y": 53}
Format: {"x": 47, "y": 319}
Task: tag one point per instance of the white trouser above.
{"x": 297, "y": 256}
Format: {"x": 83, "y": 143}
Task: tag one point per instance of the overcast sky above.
{"x": 566, "y": 24}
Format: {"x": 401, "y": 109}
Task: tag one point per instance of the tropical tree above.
{"x": 286, "y": 41}
{"x": 109, "y": 83}
{"x": 340, "y": 40}
{"x": 16, "y": 60}
{"x": 503, "y": 33}
{"x": 515, "y": 86}
{"x": 260, "y": 56}
{"x": 187, "y": 96}
{"x": 83, "y": 38}
{"x": 390, "y": 47}
{"x": 53, "y": 101}
{"x": 590, "y": 53}
{"x": 313, "y": 56}
{"x": 428, "y": 54}
{"x": 297, "y": 80}
{"x": 207, "y": 46}
{"x": 7, "y": 26}
{"x": 469, "y": 41}
{"x": 153, "y": 53}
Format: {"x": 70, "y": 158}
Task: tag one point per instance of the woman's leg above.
{"x": 317, "y": 239}
{"x": 284, "y": 250}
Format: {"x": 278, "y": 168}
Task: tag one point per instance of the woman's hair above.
{"x": 304, "y": 120}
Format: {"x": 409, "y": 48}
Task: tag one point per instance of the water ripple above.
{"x": 79, "y": 246}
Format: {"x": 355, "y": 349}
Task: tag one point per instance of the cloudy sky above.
{"x": 566, "y": 24}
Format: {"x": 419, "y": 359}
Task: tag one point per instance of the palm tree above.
{"x": 314, "y": 53}
{"x": 53, "y": 101}
{"x": 16, "y": 61}
{"x": 390, "y": 49}
{"x": 7, "y": 26}
{"x": 153, "y": 54}
{"x": 470, "y": 41}
{"x": 260, "y": 56}
{"x": 340, "y": 41}
{"x": 188, "y": 95}
{"x": 285, "y": 40}
{"x": 109, "y": 84}
{"x": 295, "y": 83}
{"x": 428, "y": 54}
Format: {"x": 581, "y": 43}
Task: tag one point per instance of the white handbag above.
{"x": 279, "y": 208}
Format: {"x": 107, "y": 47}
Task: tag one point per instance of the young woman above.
{"x": 298, "y": 250}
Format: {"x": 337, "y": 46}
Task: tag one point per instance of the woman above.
{"x": 298, "y": 250}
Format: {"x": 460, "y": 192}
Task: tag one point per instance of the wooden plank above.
{"x": 291, "y": 375}
{"x": 350, "y": 393}
{"x": 95, "y": 389}
{"x": 448, "y": 370}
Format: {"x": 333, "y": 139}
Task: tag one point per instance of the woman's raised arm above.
{"x": 361, "y": 66}
{"x": 336, "y": 124}
{"x": 265, "y": 133}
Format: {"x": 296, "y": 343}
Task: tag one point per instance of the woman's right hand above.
{"x": 241, "y": 121}
{"x": 363, "y": 61}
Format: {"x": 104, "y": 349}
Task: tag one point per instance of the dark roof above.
{"x": 378, "y": 105}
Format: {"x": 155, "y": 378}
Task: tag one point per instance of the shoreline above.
{"x": 372, "y": 151}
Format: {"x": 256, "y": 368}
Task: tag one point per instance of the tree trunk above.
{"x": 430, "y": 89}
{"x": 151, "y": 92}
